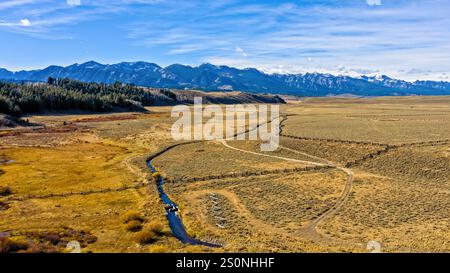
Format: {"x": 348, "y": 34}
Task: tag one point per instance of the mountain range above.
{"x": 210, "y": 77}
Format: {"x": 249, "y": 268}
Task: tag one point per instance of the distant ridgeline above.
{"x": 224, "y": 78}
{"x": 65, "y": 94}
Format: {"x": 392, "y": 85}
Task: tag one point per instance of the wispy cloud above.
{"x": 241, "y": 51}
{"x": 49, "y": 18}
{"x": 14, "y": 3}
{"x": 73, "y": 2}
{"x": 374, "y": 2}
{"x": 354, "y": 36}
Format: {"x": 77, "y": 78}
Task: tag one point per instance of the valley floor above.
{"x": 347, "y": 172}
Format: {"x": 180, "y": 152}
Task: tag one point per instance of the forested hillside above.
{"x": 66, "y": 94}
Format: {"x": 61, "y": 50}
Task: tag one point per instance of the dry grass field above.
{"x": 212, "y": 158}
{"x": 347, "y": 171}
{"x": 380, "y": 120}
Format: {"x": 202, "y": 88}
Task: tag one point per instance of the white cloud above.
{"x": 25, "y": 22}
{"x": 14, "y": 3}
{"x": 241, "y": 51}
{"x": 73, "y": 2}
{"x": 364, "y": 40}
{"x": 374, "y": 2}
{"x": 304, "y": 38}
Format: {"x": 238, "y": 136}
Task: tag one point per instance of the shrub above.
{"x": 146, "y": 237}
{"x": 134, "y": 226}
{"x": 40, "y": 248}
{"x": 4, "y": 191}
{"x": 4, "y": 245}
{"x": 52, "y": 238}
{"x": 156, "y": 175}
{"x": 18, "y": 246}
{"x": 132, "y": 216}
{"x": 3, "y": 206}
{"x": 156, "y": 227}
{"x": 7, "y": 245}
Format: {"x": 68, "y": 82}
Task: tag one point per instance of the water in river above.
{"x": 175, "y": 222}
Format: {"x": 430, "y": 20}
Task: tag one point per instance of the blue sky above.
{"x": 408, "y": 39}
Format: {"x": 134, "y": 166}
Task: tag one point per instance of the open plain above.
{"x": 347, "y": 172}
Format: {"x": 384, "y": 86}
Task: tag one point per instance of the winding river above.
{"x": 175, "y": 222}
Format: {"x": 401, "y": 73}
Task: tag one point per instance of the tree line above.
{"x": 67, "y": 94}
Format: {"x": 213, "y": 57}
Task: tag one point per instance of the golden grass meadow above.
{"x": 347, "y": 171}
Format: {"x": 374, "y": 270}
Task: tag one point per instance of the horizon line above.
{"x": 218, "y": 65}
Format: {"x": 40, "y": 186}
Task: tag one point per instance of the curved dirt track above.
{"x": 310, "y": 230}
{"x": 274, "y": 156}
